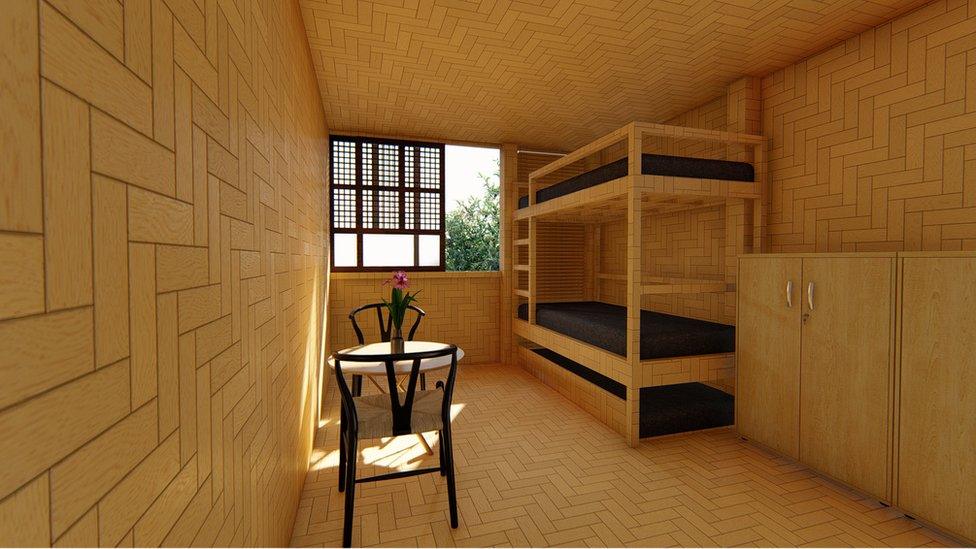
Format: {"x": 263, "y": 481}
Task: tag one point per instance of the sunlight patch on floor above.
{"x": 404, "y": 453}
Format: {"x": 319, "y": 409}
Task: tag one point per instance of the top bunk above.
{"x": 668, "y": 167}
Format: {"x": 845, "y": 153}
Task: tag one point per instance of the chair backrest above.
{"x": 385, "y": 321}
{"x": 402, "y": 411}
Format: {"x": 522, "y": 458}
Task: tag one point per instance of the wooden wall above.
{"x": 874, "y": 140}
{"x": 462, "y": 308}
{"x": 161, "y": 271}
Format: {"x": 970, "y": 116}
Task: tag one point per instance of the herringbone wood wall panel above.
{"x": 161, "y": 271}
{"x": 874, "y": 140}
{"x": 555, "y": 74}
{"x": 462, "y": 308}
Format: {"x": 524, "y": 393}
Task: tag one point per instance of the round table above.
{"x": 401, "y": 367}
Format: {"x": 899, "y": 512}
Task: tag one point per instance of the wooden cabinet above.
{"x": 817, "y": 377}
{"x": 937, "y": 414}
{"x": 768, "y": 352}
{"x": 815, "y": 371}
{"x": 846, "y": 370}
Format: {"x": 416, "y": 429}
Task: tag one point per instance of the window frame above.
{"x": 401, "y": 189}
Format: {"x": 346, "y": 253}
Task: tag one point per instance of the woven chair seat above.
{"x": 376, "y": 416}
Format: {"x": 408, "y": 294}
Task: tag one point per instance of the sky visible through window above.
{"x": 462, "y": 169}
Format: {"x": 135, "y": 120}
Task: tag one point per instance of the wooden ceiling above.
{"x": 554, "y": 74}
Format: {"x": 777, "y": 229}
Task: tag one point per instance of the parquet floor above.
{"x": 535, "y": 470}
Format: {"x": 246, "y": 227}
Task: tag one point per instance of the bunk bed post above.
{"x": 533, "y": 265}
{"x": 634, "y": 149}
{"x": 634, "y": 282}
{"x": 506, "y": 255}
{"x": 758, "y": 208}
{"x": 590, "y": 248}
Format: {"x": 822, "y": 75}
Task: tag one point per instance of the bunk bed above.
{"x": 677, "y": 370}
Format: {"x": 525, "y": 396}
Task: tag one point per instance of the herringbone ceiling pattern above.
{"x": 555, "y": 73}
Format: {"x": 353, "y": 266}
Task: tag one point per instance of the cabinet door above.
{"x": 768, "y": 351}
{"x": 846, "y": 370}
{"x": 937, "y": 409}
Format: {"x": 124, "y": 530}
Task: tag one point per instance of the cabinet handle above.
{"x": 810, "y": 295}
{"x": 789, "y": 293}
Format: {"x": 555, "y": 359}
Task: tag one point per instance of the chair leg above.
{"x": 440, "y": 450}
{"x": 342, "y": 451}
{"x": 357, "y": 385}
{"x": 350, "y": 493}
{"x": 423, "y": 382}
{"x": 451, "y": 491}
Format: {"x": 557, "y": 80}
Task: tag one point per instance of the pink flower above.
{"x": 399, "y": 280}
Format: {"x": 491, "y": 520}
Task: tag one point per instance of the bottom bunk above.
{"x": 663, "y": 410}
{"x": 604, "y": 325}
{"x": 670, "y": 409}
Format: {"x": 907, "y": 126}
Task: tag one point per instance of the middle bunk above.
{"x": 624, "y": 254}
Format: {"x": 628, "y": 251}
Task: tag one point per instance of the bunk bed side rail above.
{"x": 609, "y": 139}
{"x": 683, "y": 132}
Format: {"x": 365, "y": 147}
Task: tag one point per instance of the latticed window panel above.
{"x": 388, "y": 165}
{"x": 344, "y": 211}
{"x": 409, "y": 210}
{"x": 431, "y": 169}
{"x": 409, "y": 166}
{"x": 367, "y": 163}
{"x": 344, "y": 162}
{"x": 389, "y": 210}
{"x": 367, "y": 212}
{"x": 430, "y": 211}
{"x": 386, "y": 187}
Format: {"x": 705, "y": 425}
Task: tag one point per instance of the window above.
{"x": 472, "y": 218}
{"x": 387, "y": 204}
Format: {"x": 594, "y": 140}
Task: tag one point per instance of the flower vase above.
{"x": 396, "y": 341}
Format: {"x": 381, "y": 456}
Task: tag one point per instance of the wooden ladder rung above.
{"x": 521, "y": 268}
{"x": 522, "y": 242}
{"x": 523, "y": 293}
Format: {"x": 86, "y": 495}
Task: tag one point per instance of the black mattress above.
{"x": 669, "y": 409}
{"x": 651, "y": 164}
{"x": 605, "y": 326}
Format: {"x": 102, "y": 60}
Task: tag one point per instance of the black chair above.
{"x": 385, "y": 324}
{"x": 394, "y": 414}
{"x": 386, "y": 329}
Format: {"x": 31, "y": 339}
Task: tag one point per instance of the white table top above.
{"x": 401, "y": 366}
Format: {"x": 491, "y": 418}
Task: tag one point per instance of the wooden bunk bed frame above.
{"x": 631, "y": 197}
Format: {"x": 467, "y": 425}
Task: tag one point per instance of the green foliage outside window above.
{"x": 472, "y": 230}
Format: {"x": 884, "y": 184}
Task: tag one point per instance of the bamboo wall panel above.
{"x": 462, "y": 308}
{"x": 555, "y": 76}
{"x": 874, "y": 140}
{"x": 162, "y": 271}
{"x": 561, "y": 262}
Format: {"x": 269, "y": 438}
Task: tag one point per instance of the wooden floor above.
{"x": 535, "y": 470}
